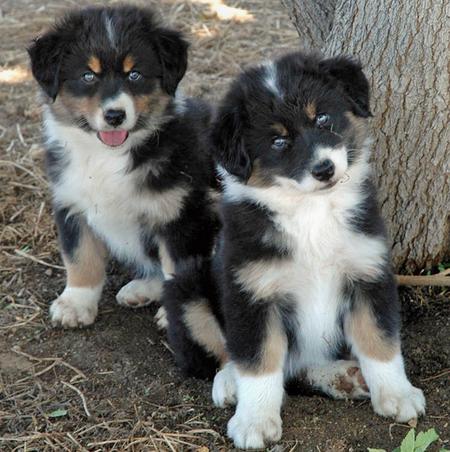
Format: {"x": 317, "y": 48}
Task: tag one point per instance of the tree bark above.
{"x": 403, "y": 45}
{"x": 313, "y": 20}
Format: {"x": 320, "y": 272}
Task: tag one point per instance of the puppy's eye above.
{"x": 322, "y": 119}
{"x": 134, "y": 76}
{"x": 280, "y": 143}
{"x": 89, "y": 77}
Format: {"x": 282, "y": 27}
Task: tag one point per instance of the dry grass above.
{"x": 224, "y": 38}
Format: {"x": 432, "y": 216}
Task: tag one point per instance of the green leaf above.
{"x": 375, "y": 450}
{"x": 424, "y": 439}
{"x": 407, "y": 444}
{"x": 397, "y": 449}
{"x": 60, "y": 412}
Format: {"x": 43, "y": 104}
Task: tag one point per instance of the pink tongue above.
{"x": 113, "y": 137}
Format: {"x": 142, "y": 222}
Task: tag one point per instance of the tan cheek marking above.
{"x": 205, "y": 329}
{"x": 154, "y": 103}
{"x": 310, "y": 110}
{"x": 358, "y": 127}
{"x": 259, "y": 178}
{"x": 128, "y": 64}
{"x": 87, "y": 268}
{"x": 273, "y": 349}
{"x": 361, "y": 326}
{"x": 68, "y": 106}
{"x": 94, "y": 64}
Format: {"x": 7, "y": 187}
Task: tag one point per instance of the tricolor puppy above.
{"x": 303, "y": 270}
{"x": 127, "y": 158}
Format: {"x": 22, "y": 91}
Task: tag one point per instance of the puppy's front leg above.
{"x": 258, "y": 359}
{"x": 372, "y": 329}
{"x": 84, "y": 257}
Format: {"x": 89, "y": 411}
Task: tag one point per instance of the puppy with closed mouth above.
{"x": 301, "y": 286}
{"x": 127, "y": 158}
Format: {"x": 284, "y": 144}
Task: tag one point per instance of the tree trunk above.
{"x": 403, "y": 45}
{"x": 307, "y": 19}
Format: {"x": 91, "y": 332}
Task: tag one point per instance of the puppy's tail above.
{"x": 194, "y": 321}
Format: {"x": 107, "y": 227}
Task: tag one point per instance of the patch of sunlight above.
{"x": 14, "y": 75}
{"x": 224, "y": 12}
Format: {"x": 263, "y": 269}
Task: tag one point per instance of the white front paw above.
{"x": 403, "y": 404}
{"x": 76, "y": 306}
{"x": 161, "y": 318}
{"x": 224, "y": 387}
{"x": 140, "y": 292}
{"x": 251, "y": 430}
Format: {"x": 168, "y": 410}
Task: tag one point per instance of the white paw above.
{"x": 224, "y": 387}
{"x": 161, "y": 318}
{"x": 76, "y": 306}
{"x": 402, "y": 404}
{"x": 254, "y": 430}
{"x": 140, "y": 292}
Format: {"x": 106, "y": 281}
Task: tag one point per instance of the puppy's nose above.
{"x": 324, "y": 170}
{"x": 114, "y": 117}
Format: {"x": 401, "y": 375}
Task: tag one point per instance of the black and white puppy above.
{"x": 127, "y": 159}
{"x": 303, "y": 267}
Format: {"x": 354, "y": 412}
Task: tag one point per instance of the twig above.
{"x": 88, "y": 414}
{"x": 440, "y": 279}
{"x": 439, "y": 375}
{"x": 35, "y": 259}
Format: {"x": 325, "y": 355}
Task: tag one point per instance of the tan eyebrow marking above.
{"x": 128, "y": 63}
{"x": 280, "y": 129}
{"x": 310, "y": 110}
{"x": 94, "y": 64}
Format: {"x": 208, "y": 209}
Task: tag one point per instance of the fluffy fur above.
{"x": 302, "y": 270}
{"x": 127, "y": 158}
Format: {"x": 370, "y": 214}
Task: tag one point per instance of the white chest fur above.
{"x": 326, "y": 251}
{"x": 96, "y": 182}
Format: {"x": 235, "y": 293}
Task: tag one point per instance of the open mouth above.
{"x": 113, "y": 138}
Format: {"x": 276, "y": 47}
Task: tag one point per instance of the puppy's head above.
{"x": 109, "y": 71}
{"x": 300, "y": 120}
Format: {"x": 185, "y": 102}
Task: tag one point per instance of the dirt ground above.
{"x": 114, "y": 386}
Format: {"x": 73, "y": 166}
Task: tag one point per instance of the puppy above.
{"x": 303, "y": 268}
{"x": 127, "y": 160}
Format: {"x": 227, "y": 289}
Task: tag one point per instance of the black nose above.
{"x": 324, "y": 170}
{"x": 114, "y": 117}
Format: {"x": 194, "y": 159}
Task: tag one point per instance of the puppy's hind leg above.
{"x": 140, "y": 292}
{"x": 84, "y": 257}
{"x": 193, "y": 329}
{"x": 340, "y": 379}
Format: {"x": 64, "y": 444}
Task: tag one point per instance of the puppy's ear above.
{"x": 228, "y": 142}
{"x": 351, "y": 77}
{"x": 46, "y": 54}
{"x": 172, "y": 52}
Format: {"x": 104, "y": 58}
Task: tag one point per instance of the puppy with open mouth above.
{"x": 301, "y": 286}
{"x": 128, "y": 164}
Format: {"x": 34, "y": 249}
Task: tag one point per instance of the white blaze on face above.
{"x": 123, "y": 102}
{"x": 337, "y": 155}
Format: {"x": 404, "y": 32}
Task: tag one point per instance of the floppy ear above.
{"x": 351, "y": 77}
{"x": 228, "y": 142}
{"x": 172, "y": 51}
{"x": 46, "y": 55}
